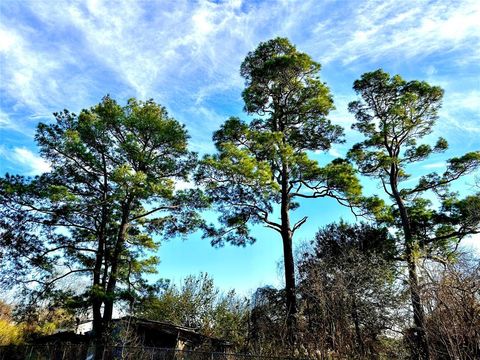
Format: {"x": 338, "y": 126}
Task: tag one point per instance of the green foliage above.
{"x": 10, "y": 332}
{"x": 19, "y": 325}
{"x": 265, "y": 165}
{"x": 349, "y": 291}
{"x": 199, "y": 304}
{"x": 110, "y": 190}
{"x": 45, "y": 321}
{"x": 394, "y": 115}
{"x": 259, "y": 161}
{"x": 283, "y": 85}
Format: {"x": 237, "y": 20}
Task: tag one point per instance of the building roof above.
{"x": 170, "y": 329}
{"x": 62, "y": 337}
{"x": 184, "y": 332}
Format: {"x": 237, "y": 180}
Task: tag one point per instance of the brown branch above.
{"x": 299, "y": 224}
{"x": 153, "y": 211}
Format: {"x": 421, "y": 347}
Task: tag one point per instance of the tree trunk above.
{"x": 112, "y": 281}
{"x": 98, "y": 284}
{"x": 289, "y": 265}
{"x": 97, "y": 325}
{"x": 115, "y": 262}
{"x": 420, "y": 334}
{"x": 358, "y": 331}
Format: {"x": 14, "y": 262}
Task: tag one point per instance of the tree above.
{"x": 265, "y": 163}
{"x": 452, "y": 299}
{"x": 199, "y": 304}
{"x": 111, "y": 188}
{"x": 267, "y": 335}
{"x": 10, "y": 332}
{"x": 348, "y": 290}
{"x": 394, "y": 115}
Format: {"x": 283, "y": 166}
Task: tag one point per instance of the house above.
{"x": 162, "y": 334}
{"x": 137, "y": 332}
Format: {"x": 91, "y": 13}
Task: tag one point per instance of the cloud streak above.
{"x": 25, "y": 161}
{"x": 187, "y": 54}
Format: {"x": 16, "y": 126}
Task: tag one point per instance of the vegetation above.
{"x": 112, "y": 186}
{"x": 394, "y": 115}
{"x": 10, "y": 333}
{"x": 83, "y": 238}
{"x": 198, "y": 304}
{"x": 265, "y": 164}
{"x": 349, "y": 289}
{"x": 26, "y": 325}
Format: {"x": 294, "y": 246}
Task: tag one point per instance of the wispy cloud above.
{"x": 24, "y": 161}
{"x": 187, "y": 54}
{"x": 34, "y": 163}
{"x": 461, "y": 112}
{"x": 472, "y": 243}
{"x": 36, "y": 80}
{"x": 436, "y": 165}
{"x": 334, "y": 152}
{"x": 466, "y": 100}
{"x": 5, "y": 121}
{"x": 159, "y": 48}
{"x": 404, "y": 30}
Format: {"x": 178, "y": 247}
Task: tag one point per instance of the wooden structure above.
{"x": 132, "y": 331}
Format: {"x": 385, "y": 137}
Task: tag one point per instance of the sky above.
{"x": 186, "y": 55}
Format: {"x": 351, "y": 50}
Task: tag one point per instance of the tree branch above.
{"x": 299, "y": 224}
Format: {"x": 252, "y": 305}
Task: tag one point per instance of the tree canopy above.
{"x": 394, "y": 115}
{"x": 85, "y": 236}
{"x": 265, "y": 165}
{"x": 111, "y": 187}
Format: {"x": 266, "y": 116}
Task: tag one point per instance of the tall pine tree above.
{"x": 394, "y": 115}
{"x": 111, "y": 188}
{"x": 264, "y": 165}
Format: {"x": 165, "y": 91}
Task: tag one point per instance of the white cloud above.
{"x": 436, "y": 165}
{"x": 7, "y": 40}
{"x": 406, "y": 30}
{"x": 153, "y": 44}
{"x": 334, "y": 152}
{"x": 25, "y": 161}
{"x": 184, "y": 185}
{"x": 472, "y": 242}
{"x": 186, "y": 53}
{"x": 37, "y": 79}
{"x": 461, "y": 111}
{"x": 5, "y": 121}
{"x": 34, "y": 163}
{"x": 468, "y": 101}
{"x": 28, "y": 75}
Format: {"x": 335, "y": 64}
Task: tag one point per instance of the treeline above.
{"x": 114, "y": 185}
{"x": 352, "y": 298}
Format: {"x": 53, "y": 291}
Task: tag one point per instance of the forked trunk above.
{"x": 113, "y": 276}
{"x": 420, "y": 334}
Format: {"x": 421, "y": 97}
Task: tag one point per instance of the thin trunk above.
{"x": 96, "y": 300}
{"x": 115, "y": 260}
{"x": 291, "y": 300}
{"x": 418, "y": 313}
{"x": 98, "y": 328}
{"x": 97, "y": 325}
{"x": 358, "y": 331}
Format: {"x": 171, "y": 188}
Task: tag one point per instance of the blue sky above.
{"x": 186, "y": 55}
